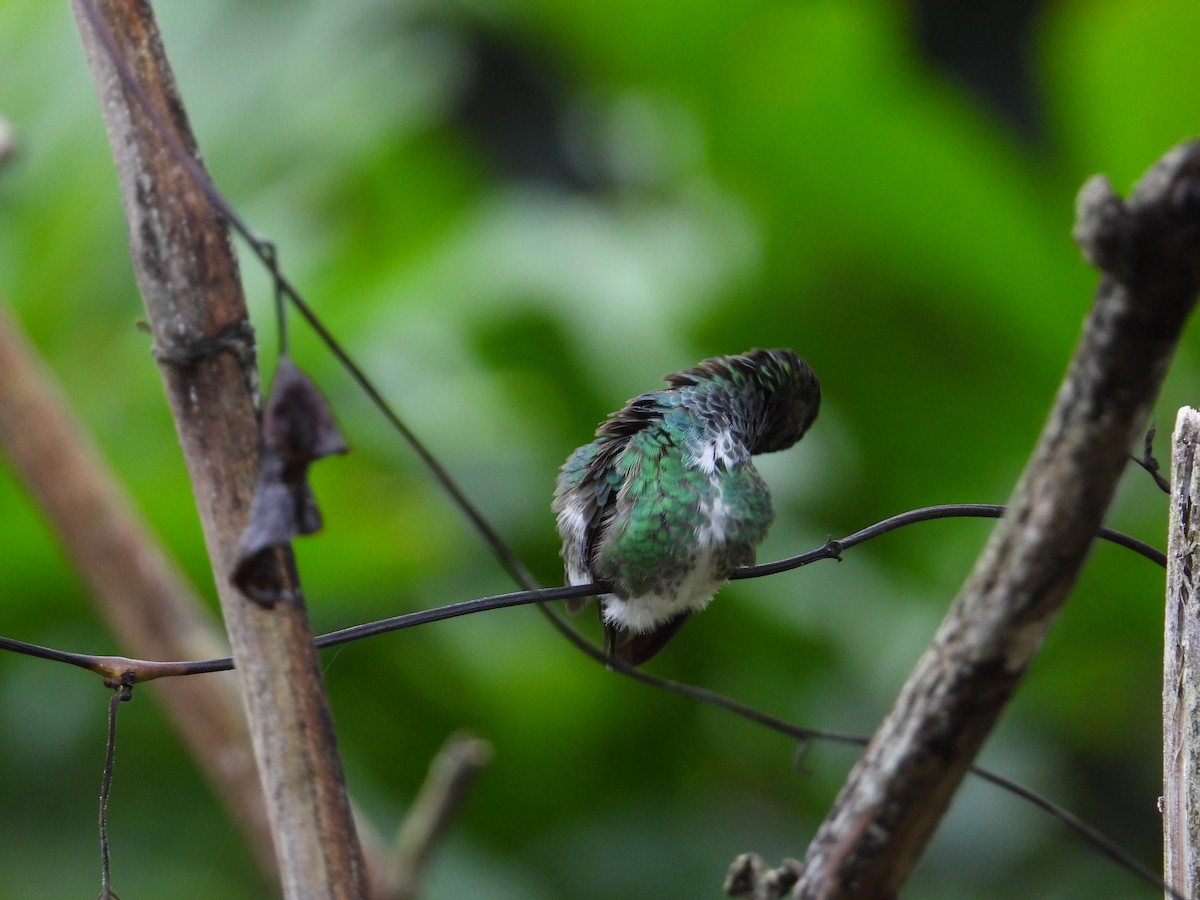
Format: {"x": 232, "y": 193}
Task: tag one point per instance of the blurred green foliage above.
{"x": 516, "y": 214}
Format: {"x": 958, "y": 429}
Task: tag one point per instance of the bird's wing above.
{"x": 586, "y": 495}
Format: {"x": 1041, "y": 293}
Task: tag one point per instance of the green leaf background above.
{"x": 740, "y": 174}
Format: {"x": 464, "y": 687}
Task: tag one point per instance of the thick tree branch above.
{"x": 188, "y": 277}
{"x": 1149, "y": 249}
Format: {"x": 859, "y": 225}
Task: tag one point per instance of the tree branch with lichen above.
{"x": 1148, "y": 249}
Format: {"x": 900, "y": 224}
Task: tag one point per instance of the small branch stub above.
{"x": 749, "y": 877}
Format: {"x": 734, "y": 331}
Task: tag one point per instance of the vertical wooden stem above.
{"x": 188, "y": 276}
{"x": 1180, "y": 802}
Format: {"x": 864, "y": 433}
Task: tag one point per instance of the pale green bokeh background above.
{"x": 767, "y": 174}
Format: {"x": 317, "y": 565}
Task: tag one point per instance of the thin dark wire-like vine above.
{"x": 803, "y": 735}
{"x": 1097, "y": 839}
{"x": 1148, "y": 461}
{"x": 122, "y": 693}
{"x": 281, "y": 321}
{"x": 834, "y": 548}
{"x": 146, "y": 670}
{"x": 114, "y": 667}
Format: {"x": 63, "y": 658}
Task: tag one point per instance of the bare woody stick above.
{"x": 1149, "y": 251}
{"x": 1180, "y": 802}
{"x": 450, "y": 777}
{"x": 188, "y": 277}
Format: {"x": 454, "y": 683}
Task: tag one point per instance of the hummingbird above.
{"x": 666, "y": 503}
